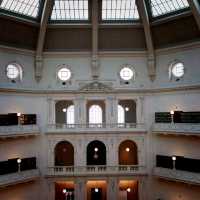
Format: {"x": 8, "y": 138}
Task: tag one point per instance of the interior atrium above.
{"x": 99, "y": 99}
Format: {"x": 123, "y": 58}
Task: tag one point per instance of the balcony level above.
{"x": 18, "y": 125}
{"x": 19, "y": 131}
{"x": 97, "y": 170}
{"x": 177, "y": 123}
{"x": 177, "y": 129}
{"x": 177, "y": 175}
{"x": 19, "y": 177}
{"x": 98, "y": 128}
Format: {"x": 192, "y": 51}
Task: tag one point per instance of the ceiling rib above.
{"x": 195, "y": 7}
{"x": 48, "y": 6}
{"x": 95, "y": 60}
{"x": 151, "y": 60}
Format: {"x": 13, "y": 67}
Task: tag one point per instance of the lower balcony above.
{"x": 19, "y": 177}
{"x": 19, "y": 131}
{"x": 96, "y": 170}
{"x": 176, "y": 129}
{"x": 177, "y": 175}
{"x": 83, "y": 128}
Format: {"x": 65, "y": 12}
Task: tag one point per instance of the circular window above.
{"x": 178, "y": 70}
{"x": 64, "y": 74}
{"x": 12, "y": 71}
{"x": 126, "y": 73}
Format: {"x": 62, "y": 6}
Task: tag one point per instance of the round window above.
{"x": 126, "y": 73}
{"x": 64, "y": 74}
{"x": 178, "y": 70}
{"x": 12, "y": 71}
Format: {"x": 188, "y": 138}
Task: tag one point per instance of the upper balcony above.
{"x": 19, "y": 131}
{"x": 177, "y": 175}
{"x": 176, "y": 129}
{"x": 97, "y": 170}
{"x": 19, "y": 177}
{"x": 97, "y": 128}
{"x": 18, "y": 125}
{"x": 177, "y": 123}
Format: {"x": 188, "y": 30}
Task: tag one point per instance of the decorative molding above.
{"x": 96, "y": 86}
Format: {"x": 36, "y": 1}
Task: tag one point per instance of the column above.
{"x": 112, "y": 188}
{"x": 50, "y": 111}
{"x": 80, "y": 189}
{"x": 139, "y": 110}
{"x": 112, "y": 153}
{"x": 111, "y": 110}
{"x": 80, "y": 110}
{"x": 141, "y": 188}
{"x": 51, "y": 190}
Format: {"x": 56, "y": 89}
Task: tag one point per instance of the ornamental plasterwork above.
{"x": 96, "y": 86}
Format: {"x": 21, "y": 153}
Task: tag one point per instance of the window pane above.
{"x": 161, "y": 7}
{"x": 70, "y": 115}
{"x": 119, "y": 10}
{"x": 121, "y": 115}
{"x": 95, "y": 114}
{"x": 24, "y": 7}
{"x": 70, "y": 10}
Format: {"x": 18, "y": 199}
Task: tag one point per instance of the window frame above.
{"x": 19, "y": 68}
{"x": 123, "y": 21}
{"x": 61, "y": 66}
{"x": 63, "y": 21}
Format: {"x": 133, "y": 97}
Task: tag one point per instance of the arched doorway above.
{"x": 96, "y": 153}
{"x": 128, "y": 153}
{"x": 64, "y": 154}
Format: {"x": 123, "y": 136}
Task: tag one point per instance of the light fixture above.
{"x": 96, "y": 189}
{"x": 126, "y": 109}
{"x": 172, "y": 112}
{"x": 128, "y": 189}
{"x": 96, "y": 149}
{"x": 174, "y": 158}
{"x": 18, "y": 114}
{"x": 64, "y": 191}
{"x": 19, "y": 160}
{"x": 64, "y": 109}
{"x": 127, "y": 149}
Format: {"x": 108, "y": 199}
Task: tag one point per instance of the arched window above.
{"x": 95, "y": 114}
{"x": 70, "y": 115}
{"x": 14, "y": 71}
{"x": 121, "y": 115}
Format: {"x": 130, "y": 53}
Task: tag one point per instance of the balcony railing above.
{"x": 19, "y": 130}
{"x": 177, "y": 175}
{"x": 54, "y": 128}
{"x": 176, "y": 128}
{"x": 19, "y": 177}
{"x": 96, "y": 170}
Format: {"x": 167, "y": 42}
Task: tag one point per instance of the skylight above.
{"x": 162, "y": 7}
{"x": 70, "y": 10}
{"x": 25, "y": 7}
{"x": 119, "y": 10}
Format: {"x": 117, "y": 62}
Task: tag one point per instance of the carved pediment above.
{"x": 96, "y": 87}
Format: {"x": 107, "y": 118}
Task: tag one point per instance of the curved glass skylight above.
{"x": 25, "y": 7}
{"x": 119, "y": 10}
{"x": 162, "y": 7}
{"x": 70, "y": 10}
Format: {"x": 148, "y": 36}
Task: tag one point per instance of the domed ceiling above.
{"x": 123, "y": 25}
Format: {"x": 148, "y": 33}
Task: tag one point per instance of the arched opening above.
{"x": 65, "y": 112}
{"x": 128, "y": 153}
{"x": 95, "y": 113}
{"x": 64, "y": 154}
{"x": 127, "y": 111}
{"x": 96, "y": 153}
